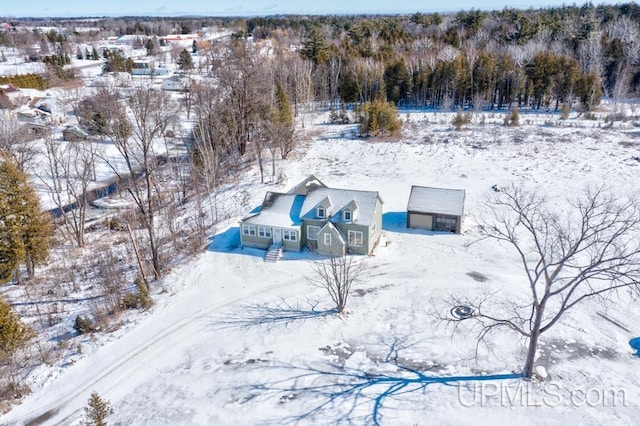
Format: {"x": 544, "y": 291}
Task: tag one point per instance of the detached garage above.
{"x": 435, "y": 209}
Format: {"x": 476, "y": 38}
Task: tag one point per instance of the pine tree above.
{"x": 315, "y": 46}
{"x": 25, "y": 230}
{"x": 14, "y": 334}
{"x": 378, "y": 117}
{"x": 185, "y": 61}
{"x": 97, "y": 411}
{"x": 283, "y": 113}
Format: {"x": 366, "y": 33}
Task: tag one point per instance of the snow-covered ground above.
{"x": 234, "y": 340}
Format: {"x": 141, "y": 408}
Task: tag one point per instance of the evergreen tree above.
{"x": 315, "y": 46}
{"x": 97, "y": 411}
{"x": 24, "y": 229}
{"x": 150, "y": 45}
{"x": 94, "y": 54}
{"x": 377, "y": 118}
{"x": 117, "y": 62}
{"x": 14, "y": 334}
{"x": 185, "y": 61}
{"x": 588, "y": 90}
{"x": 283, "y": 114}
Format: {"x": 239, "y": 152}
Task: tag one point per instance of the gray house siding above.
{"x": 305, "y": 232}
{"x": 254, "y": 241}
{"x": 257, "y": 241}
{"x": 337, "y": 246}
{"x": 292, "y": 245}
{"x": 376, "y": 226}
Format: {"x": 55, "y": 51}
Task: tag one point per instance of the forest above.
{"x": 546, "y": 58}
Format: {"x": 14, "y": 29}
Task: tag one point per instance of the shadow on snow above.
{"x": 397, "y": 222}
{"x": 268, "y": 316}
{"x": 228, "y": 241}
{"x": 353, "y": 395}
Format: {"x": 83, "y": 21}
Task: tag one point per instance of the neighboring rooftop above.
{"x": 425, "y": 199}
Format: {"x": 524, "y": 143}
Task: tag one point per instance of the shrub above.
{"x": 377, "y": 118}
{"x": 515, "y": 117}
{"x": 130, "y": 300}
{"x": 460, "y": 120}
{"x": 139, "y": 299}
{"x": 83, "y": 324}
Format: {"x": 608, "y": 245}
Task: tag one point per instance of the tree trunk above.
{"x": 527, "y": 371}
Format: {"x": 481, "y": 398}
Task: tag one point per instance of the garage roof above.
{"x": 425, "y": 199}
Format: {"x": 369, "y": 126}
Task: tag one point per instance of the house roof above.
{"x": 277, "y": 209}
{"x": 289, "y": 209}
{"x": 9, "y": 88}
{"x": 436, "y": 200}
{"x": 307, "y": 185}
{"x": 341, "y": 198}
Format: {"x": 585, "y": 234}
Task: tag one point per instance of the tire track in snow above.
{"x": 183, "y": 327}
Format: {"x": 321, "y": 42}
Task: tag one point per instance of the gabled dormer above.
{"x": 323, "y": 209}
{"x": 349, "y": 212}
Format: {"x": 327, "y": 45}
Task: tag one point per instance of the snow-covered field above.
{"x": 233, "y": 340}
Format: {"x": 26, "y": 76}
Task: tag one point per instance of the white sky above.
{"x": 48, "y": 8}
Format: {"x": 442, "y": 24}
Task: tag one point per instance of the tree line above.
{"x": 535, "y": 59}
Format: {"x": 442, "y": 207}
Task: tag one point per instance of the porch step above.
{"x": 273, "y": 254}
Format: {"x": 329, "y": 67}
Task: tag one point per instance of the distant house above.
{"x": 33, "y": 116}
{"x": 143, "y": 67}
{"x": 120, "y": 48}
{"x": 330, "y": 220}
{"x": 74, "y": 134}
{"x": 435, "y": 209}
{"x": 176, "y": 83}
{"x": 147, "y": 67}
{"x": 49, "y": 105}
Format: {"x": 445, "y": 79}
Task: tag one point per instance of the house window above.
{"x": 355, "y": 238}
{"x": 249, "y": 230}
{"x": 264, "y": 232}
{"x": 327, "y": 239}
{"x": 321, "y": 212}
{"x": 346, "y": 215}
{"x": 312, "y": 232}
{"x": 289, "y": 235}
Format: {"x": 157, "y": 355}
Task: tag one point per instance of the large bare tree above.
{"x": 589, "y": 249}
{"x": 70, "y": 169}
{"x": 136, "y": 131}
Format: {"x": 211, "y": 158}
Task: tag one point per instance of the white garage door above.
{"x": 422, "y": 221}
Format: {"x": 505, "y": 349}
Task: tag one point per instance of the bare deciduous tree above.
{"x": 589, "y": 250}
{"x": 137, "y": 138}
{"x": 336, "y": 275}
{"x": 70, "y": 169}
{"x": 15, "y": 141}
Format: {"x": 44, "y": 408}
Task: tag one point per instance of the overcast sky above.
{"x": 46, "y": 8}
